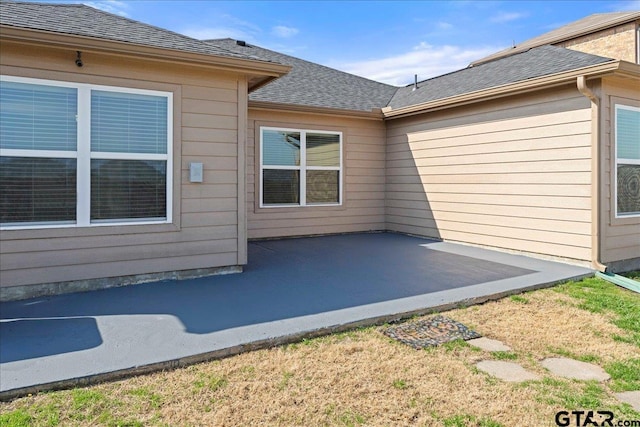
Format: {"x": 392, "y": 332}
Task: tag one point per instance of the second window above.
{"x": 300, "y": 167}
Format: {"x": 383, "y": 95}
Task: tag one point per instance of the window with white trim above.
{"x": 75, "y": 154}
{"x": 627, "y": 172}
{"x": 300, "y": 167}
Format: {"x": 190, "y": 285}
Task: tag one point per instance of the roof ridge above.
{"x": 595, "y": 24}
{"x": 624, "y": 12}
{"x": 481, "y": 64}
{"x": 519, "y": 66}
{"x": 40, "y": 3}
{"x": 313, "y": 85}
{"x": 115, "y": 15}
{"x": 164, "y": 30}
{"x": 305, "y": 60}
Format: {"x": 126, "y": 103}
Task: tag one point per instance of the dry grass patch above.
{"x": 365, "y": 378}
{"x": 549, "y": 324}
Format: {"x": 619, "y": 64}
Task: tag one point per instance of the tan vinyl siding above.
{"x": 363, "y": 185}
{"x": 513, "y": 174}
{"x": 620, "y": 239}
{"x": 204, "y": 232}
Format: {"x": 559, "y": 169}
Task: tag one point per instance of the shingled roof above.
{"x": 311, "y": 84}
{"x": 587, "y": 25}
{"x": 308, "y": 84}
{"x": 81, "y": 20}
{"x": 538, "y": 62}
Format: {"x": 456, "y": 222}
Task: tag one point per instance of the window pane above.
{"x": 323, "y": 186}
{"x": 38, "y": 117}
{"x": 37, "y": 190}
{"x": 280, "y": 148}
{"x": 628, "y": 189}
{"x": 128, "y": 123}
{"x": 628, "y": 134}
{"x": 323, "y": 149}
{"x": 280, "y": 187}
{"x": 124, "y": 189}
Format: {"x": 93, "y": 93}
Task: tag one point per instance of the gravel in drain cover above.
{"x": 430, "y": 332}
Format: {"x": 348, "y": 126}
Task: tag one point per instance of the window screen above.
{"x": 627, "y": 160}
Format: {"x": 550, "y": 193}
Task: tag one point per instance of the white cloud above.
{"x": 217, "y": 33}
{"x": 286, "y": 48}
{"x": 230, "y": 27}
{"x": 284, "y": 32}
{"x": 503, "y": 17}
{"x": 116, "y": 7}
{"x": 444, "y": 25}
{"x": 424, "y": 60}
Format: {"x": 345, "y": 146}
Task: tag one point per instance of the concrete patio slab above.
{"x": 290, "y": 289}
{"x": 574, "y": 369}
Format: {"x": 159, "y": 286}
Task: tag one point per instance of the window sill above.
{"x": 624, "y": 220}
{"x": 296, "y": 208}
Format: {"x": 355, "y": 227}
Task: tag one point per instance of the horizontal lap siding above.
{"x": 209, "y": 136}
{"x": 513, "y": 174}
{"x": 205, "y": 231}
{"x": 364, "y": 179}
{"x": 620, "y": 236}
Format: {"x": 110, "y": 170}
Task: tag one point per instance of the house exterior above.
{"x": 131, "y": 153}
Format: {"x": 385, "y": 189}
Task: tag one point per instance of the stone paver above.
{"x": 575, "y": 369}
{"x": 507, "y": 371}
{"x": 488, "y": 344}
{"x": 630, "y": 397}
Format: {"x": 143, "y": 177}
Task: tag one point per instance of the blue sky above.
{"x": 388, "y": 41}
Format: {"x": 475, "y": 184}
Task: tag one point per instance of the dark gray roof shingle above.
{"x": 308, "y": 83}
{"x": 81, "y": 20}
{"x": 314, "y": 85}
{"x": 538, "y": 62}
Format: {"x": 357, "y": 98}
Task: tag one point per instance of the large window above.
{"x": 81, "y": 155}
{"x": 627, "y": 132}
{"x": 300, "y": 167}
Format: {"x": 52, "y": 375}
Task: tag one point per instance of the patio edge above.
{"x": 89, "y": 380}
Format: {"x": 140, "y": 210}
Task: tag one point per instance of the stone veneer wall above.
{"x": 619, "y": 43}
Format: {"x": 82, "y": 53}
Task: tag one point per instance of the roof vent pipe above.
{"x": 415, "y": 82}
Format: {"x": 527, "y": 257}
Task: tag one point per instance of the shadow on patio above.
{"x": 290, "y": 286}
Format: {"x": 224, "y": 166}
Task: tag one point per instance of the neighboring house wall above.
{"x": 619, "y": 43}
{"x": 204, "y": 233}
{"x": 511, "y": 173}
{"x": 620, "y": 239}
{"x": 363, "y": 186}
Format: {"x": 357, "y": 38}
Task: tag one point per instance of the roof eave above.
{"x": 152, "y": 53}
{"x": 257, "y": 83}
{"x": 551, "y": 80}
{"x": 374, "y": 114}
